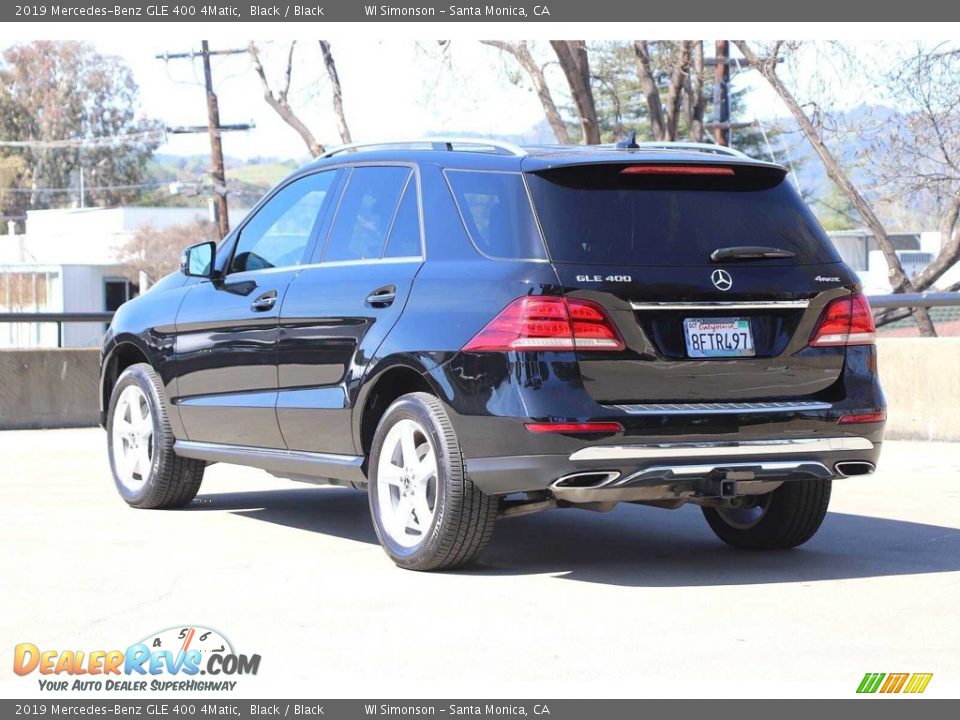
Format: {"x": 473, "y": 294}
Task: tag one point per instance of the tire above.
{"x": 785, "y": 518}
{"x": 146, "y": 471}
{"x": 425, "y": 520}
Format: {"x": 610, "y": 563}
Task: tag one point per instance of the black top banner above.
{"x": 434, "y": 11}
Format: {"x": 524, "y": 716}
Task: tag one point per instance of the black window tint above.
{"x": 366, "y": 211}
{"x": 404, "y": 240}
{"x": 496, "y": 211}
{"x": 278, "y": 234}
{"x": 599, "y": 214}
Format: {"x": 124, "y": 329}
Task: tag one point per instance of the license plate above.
{"x": 718, "y": 337}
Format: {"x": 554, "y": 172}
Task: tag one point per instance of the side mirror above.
{"x": 197, "y": 260}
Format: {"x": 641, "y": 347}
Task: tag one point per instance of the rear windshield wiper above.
{"x": 749, "y": 252}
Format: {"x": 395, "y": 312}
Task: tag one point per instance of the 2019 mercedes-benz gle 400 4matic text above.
{"x": 470, "y": 330}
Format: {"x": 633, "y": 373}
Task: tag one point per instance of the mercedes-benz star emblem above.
{"x": 721, "y": 280}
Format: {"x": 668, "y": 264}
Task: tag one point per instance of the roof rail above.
{"x": 448, "y": 144}
{"x": 702, "y": 147}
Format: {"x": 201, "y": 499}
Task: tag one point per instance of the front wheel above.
{"x": 427, "y": 513}
{"x": 784, "y": 518}
{"x": 146, "y": 471}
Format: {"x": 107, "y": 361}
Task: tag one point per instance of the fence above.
{"x": 58, "y": 387}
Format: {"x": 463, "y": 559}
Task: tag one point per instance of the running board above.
{"x": 348, "y": 468}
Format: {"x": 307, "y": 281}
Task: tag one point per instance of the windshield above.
{"x": 599, "y": 214}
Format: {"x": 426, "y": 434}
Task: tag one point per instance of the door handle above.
{"x": 382, "y": 297}
{"x": 264, "y": 302}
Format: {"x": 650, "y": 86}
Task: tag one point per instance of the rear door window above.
{"x": 367, "y": 210}
{"x": 496, "y": 212}
{"x": 599, "y": 215}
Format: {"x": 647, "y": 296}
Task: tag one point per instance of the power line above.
{"x": 214, "y": 128}
{"x": 136, "y": 138}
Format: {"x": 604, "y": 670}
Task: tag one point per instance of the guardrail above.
{"x": 894, "y": 300}
{"x": 908, "y": 300}
{"x": 58, "y": 318}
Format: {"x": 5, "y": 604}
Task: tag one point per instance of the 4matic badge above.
{"x": 178, "y": 651}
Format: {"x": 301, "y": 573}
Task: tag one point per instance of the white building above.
{"x": 68, "y": 261}
{"x": 915, "y": 249}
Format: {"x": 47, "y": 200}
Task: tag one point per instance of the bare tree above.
{"x": 575, "y": 63}
{"x": 279, "y": 99}
{"x": 157, "y": 252}
{"x": 521, "y": 52}
{"x": 665, "y": 116}
{"x": 331, "y": 67}
{"x": 767, "y": 66}
{"x": 695, "y": 100}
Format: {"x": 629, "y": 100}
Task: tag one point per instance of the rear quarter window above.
{"x": 496, "y": 212}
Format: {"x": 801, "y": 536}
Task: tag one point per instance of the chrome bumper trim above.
{"x": 757, "y": 305}
{"x": 721, "y": 449}
{"x": 723, "y": 408}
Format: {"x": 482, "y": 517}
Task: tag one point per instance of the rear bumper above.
{"x": 642, "y": 471}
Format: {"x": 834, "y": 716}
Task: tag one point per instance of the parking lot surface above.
{"x": 638, "y": 602}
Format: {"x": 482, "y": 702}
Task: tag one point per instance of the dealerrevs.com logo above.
{"x": 176, "y": 659}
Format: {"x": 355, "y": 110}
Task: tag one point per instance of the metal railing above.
{"x": 911, "y": 300}
{"x": 58, "y": 318}
{"x": 895, "y": 300}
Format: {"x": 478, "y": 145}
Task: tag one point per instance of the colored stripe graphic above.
{"x": 918, "y": 682}
{"x": 894, "y": 683}
{"x": 870, "y": 682}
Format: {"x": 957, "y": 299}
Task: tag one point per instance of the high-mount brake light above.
{"x": 548, "y": 323}
{"x": 845, "y": 321}
{"x": 676, "y": 170}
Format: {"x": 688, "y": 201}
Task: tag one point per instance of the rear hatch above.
{"x": 715, "y": 275}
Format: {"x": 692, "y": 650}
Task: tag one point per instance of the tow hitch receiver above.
{"x": 725, "y": 487}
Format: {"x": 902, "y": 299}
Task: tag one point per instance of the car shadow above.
{"x": 633, "y": 546}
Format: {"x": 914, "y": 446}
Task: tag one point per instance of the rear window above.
{"x": 598, "y": 215}
{"x": 496, "y": 212}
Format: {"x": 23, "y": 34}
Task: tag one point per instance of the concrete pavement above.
{"x": 639, "y": 602}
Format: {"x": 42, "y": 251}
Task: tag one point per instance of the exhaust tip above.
{"x": 852, "y": 468}
{"x": 586, "y": 479}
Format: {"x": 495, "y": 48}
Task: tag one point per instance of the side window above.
{"x": 367, "y": 209}
{"x": 278, "y": 234}
{"x": 404, "y": 240}
{"x": 496, "y": 211}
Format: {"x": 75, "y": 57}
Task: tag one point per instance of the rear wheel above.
{"x": 427, "y": 513}
{"x": 146, "y": 471}
{"x": 785, "y": 518}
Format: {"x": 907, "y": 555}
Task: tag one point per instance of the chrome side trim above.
{"x": 758, "y": 305}
{"x": 721, "y": 449}
{"x": 722, "y": 408}
{"x": 294, "y": 462}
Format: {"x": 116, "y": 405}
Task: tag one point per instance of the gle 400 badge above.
{"x": 184, "y": 658}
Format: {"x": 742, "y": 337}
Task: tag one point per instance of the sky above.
{"x": 405, "y": 89}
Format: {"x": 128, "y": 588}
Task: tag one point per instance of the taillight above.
{"x": 548, "y": 323}
{"x": 845, "y": 321}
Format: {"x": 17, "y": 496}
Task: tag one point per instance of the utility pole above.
{"x": 215, "y": 129}
{"x": 721, "y": 94}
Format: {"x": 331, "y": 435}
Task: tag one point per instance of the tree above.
{"x": 575, "y": 63}
{"x": 65, "y": 108}
{"x": 521, "y": 52}
{"x": 920, "y": 154}
{"x": 279, "y": 100}
{"x": 157, "y": 252}
{"x": 767, "y": 66}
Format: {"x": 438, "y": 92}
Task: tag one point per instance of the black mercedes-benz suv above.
{"x": 471, "y": 330}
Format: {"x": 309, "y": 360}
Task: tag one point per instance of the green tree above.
{"x": 70, "y": 108}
